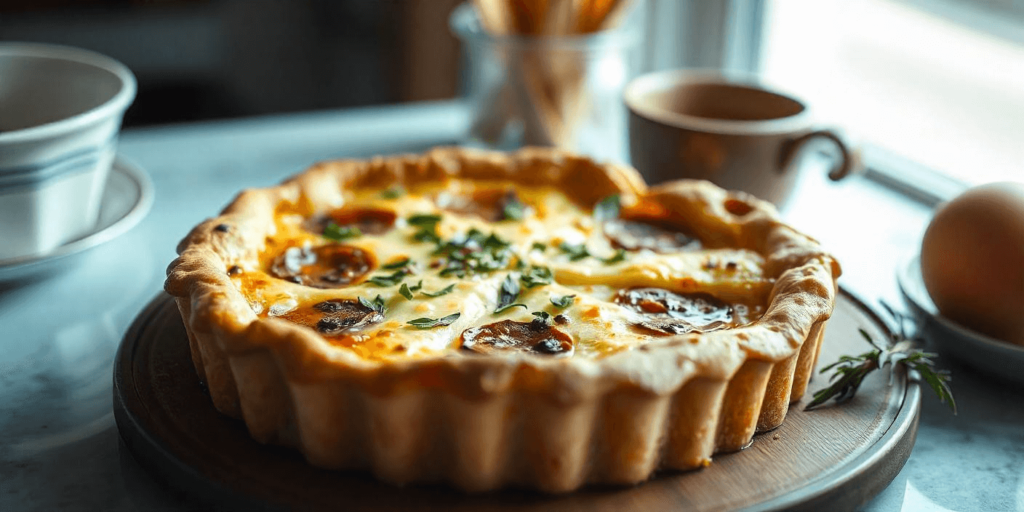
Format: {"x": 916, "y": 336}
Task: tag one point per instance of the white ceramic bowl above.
{"x": 60, "y": 115}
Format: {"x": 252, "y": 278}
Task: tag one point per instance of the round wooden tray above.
{"x": 833, "y": 458}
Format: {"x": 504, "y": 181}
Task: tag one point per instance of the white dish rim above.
{"x": 909, "y": 269}
{"x": 22, "y": 265}
{"x": 118, "y": 103}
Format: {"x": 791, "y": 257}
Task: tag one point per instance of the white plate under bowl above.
{"x": 995, "y": 357}
{"x": 127, "y": 198}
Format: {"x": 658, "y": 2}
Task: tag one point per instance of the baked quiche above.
{"x": 532, "y": 319}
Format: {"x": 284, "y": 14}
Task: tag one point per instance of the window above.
{"x": 937, "y": 83}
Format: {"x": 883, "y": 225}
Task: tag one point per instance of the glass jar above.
{"x": 564, "y": 92}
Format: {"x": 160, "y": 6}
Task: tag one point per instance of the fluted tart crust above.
{"x": 531, "y": 319}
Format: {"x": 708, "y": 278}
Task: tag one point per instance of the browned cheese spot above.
{"x": 332, "y": 265}
{"x": 537, "y": 337}
{"x": 664, "y": 312}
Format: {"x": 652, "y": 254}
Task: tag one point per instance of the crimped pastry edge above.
{"x": 486, "y": 423}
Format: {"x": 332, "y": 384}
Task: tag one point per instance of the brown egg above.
{"x": 972, "y": 260}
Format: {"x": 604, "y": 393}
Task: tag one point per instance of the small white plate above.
{"x": 127, "y": 199}
{"x": 996, "y": 357}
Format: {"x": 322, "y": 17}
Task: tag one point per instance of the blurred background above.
{"x": 929, "y": 84}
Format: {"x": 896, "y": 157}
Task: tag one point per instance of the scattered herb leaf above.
{"x": 398, "y": 264}
{"x": 405, "y": 291}
{"x": 507, "y": 294}
{"x": 563, "y": 301}
{"x": 426, "y": 236}
{"x": 425, "y": 220}
{"x": 575, "y": 252}
{"x": 620, "y": 255}
{"x": 444, "y": 291}
{"x": 514, "y": 209}
{"x": 607, "y": 208}
{"x": 388, "y": 279}
{"x": 338, "y": 233}
{"x": 502, "y": 309}
{"x": 427, "y": 224}
{"x": 394, "y": 192}
{"x": 376, "y": 305}
{"x": 542, "y": 317}
{"x": 537, "y": 276}
{"x": 430, "y": 323}
{"x": 537, "y": 246}
{"x": 474, "y": 253}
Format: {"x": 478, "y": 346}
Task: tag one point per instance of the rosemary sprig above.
{"x": 902, "y": 349}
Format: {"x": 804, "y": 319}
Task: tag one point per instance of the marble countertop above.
{"x": 58, "y": 443}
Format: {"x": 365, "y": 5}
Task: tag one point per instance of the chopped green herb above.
{"x": 427, "y": 224}
{"x": 502, "y": 309}
{"x": 542, "y": 317}
{"x": 430, "y": 323}
{"x": 620, "y": 255}
{"x": 388, "y": 279}
{"x": 474, "y": 253}
{"x": 426, "y": 236}
{"x": 607, "y": 208}
{"x": 537, "y": 276}
{"x": 394, "y": 192}
{"x": 507, "y": 294}
{"x": 514, "y": 209}
{"x": 520, "y": 264}
{"x": 537, "y": 246}
{"x": 418, "y": 286}
{"x": 398, "y": 264}
{"x": 405, "y": 291}
{"x": 424, "y": 220}
{"x": 445, "y": 291}
{"x": 376, "y": 305}
{"x": 338, "y": 233}
{"x": 563, "y": 301}
{"x": 575, "y": 252}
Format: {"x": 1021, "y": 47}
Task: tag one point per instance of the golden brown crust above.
{"x": 614, "y": 419}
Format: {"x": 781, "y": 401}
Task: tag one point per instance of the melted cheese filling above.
{"x": 597, "y": 324}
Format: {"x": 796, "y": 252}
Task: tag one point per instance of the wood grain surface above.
{"x": 835, "y": 457}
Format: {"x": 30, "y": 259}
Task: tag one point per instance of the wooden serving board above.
{"x": 832, "y": 458}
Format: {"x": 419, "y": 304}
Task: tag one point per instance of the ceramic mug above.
{"x": 730, "y": 130}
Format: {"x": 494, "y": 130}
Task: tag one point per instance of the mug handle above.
{"x": 849, "y": 160}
